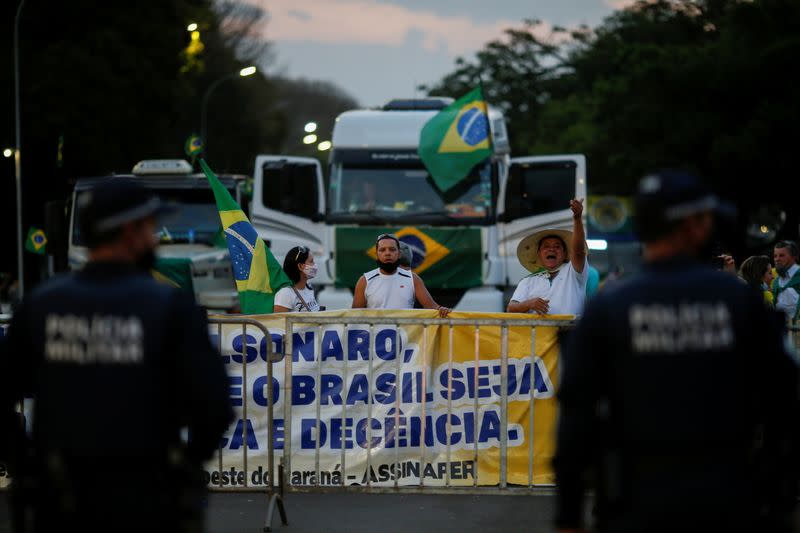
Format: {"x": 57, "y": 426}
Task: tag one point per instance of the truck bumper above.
{"x": 484, "y": 299}
{"x": 335, "y": 298}
{"x": 222, "y": 299}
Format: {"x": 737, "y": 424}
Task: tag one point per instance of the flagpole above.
{"x": 488, "y": 121}
{"x": 18, "y": 156}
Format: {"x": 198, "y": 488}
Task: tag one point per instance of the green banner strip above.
{"x": 176, "y": 269}
{"x": 445, "y": 258}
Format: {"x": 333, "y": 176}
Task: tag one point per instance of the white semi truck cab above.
{"x": 464, "y": 240}
{"x": 192, "y": 251}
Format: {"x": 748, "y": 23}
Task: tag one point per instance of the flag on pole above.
{"x": 36, "y": 241}
{"x": 456, "y": 139}
{"x": 256, "y": 271}
{"x": 193, "y": 146}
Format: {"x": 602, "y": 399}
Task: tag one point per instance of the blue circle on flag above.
{"x": 38, "y": 238}
{"x": 473, "y": 127}
{"x": 241, "y": 256}
{"x": 417, "y": 246}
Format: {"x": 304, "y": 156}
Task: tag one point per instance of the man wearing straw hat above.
{"x": 559, "y": 270}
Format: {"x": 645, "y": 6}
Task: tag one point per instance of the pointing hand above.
{"x": 577, "y": 207}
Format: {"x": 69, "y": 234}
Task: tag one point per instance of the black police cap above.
{"x": 662, "y": 199}
{"x": 114, "y": 202}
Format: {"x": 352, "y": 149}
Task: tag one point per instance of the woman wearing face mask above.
{"x": 299, "y": 266}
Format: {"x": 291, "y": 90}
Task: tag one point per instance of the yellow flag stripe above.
{"x": 231, "y": 217}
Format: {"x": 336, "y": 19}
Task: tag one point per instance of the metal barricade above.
{"x": 312, "y": 321}
{"x": 275, "y": 499}
{"x": 5, "y": 319}
{"x": 794, "y": 339}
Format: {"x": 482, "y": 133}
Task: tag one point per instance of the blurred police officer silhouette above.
{"x": 677, "y": 392}
{"x": 117, "y": 365}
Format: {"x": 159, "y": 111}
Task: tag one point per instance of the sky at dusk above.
{"x": 381, "y": 49}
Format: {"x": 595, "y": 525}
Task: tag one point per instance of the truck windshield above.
{"x": 391, "y": 192}
{"x": 194, "y": 218}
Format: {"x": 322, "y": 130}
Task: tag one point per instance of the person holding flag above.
{"x": 258, "y": 274}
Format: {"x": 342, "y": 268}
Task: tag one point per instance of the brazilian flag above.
{"x": 258, "y": 274}
{"x": 36, "y": 241}
{"x": 193, "y": 146}
{"x": 456, "y": 139}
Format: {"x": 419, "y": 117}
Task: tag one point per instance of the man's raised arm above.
{"x": 578, "y": 257}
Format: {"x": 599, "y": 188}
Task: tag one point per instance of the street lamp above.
{"x": 8, "y": 152}
{"x": 310, "y": 139}
{"x": 191, "y": 27}
{"x": 311, "y": 127}
{"x": 247, "y": 71}
{"x": 324, "y": 145}
{"x": 17, "y": 155}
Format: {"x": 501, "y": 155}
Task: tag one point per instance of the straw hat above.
{"x": 528, "y": 248}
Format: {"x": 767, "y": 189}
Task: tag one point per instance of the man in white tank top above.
{"x": 388, "y": 287}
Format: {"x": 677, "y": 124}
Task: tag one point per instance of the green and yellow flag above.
{"x": 456, "y": 139}
{"x": 36, "y": 241}
{"x": 193, "y": 146}
{"x": 175, "y": 271}
{"x": 258, "y": 274}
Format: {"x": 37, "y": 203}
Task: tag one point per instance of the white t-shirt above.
{"x": 566, "y": 292}
{"x": 288, "y": 299}
{"x": 389, "y": 291}
{"x": 788, "y": 299}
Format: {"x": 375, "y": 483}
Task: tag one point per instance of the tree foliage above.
{"x": 702, "y": 85}
{"x": 124, "y": 81}
{"x": 515, "y": 72}
{"x": 697, "y": 84}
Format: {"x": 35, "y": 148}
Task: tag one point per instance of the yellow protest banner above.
{"x": 398, "y": 404}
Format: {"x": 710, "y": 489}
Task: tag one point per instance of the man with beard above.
{"x": 786, "y": 287}
{"x": 559, "y": 270}
{"x": 117, "y": 365}
{"x": 388, "y": 287}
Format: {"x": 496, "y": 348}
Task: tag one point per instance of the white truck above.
{"x": 464, "y": 242}
{"x": 191, "y": 248}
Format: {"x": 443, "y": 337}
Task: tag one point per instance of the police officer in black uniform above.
{"x": 677, "y": 392}
{"x": 117, "y": 365}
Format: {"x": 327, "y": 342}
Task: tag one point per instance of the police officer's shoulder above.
{"x": 51, "y": 286}
{"x": 144, "y": 281}
{"x": 698, "y": 278}
{"x": 718, "y": 279}
{"x": 613, "y": 291}
{"x": 181, "y": 299}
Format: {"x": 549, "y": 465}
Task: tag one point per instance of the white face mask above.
{"x": 310, "y": 270}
